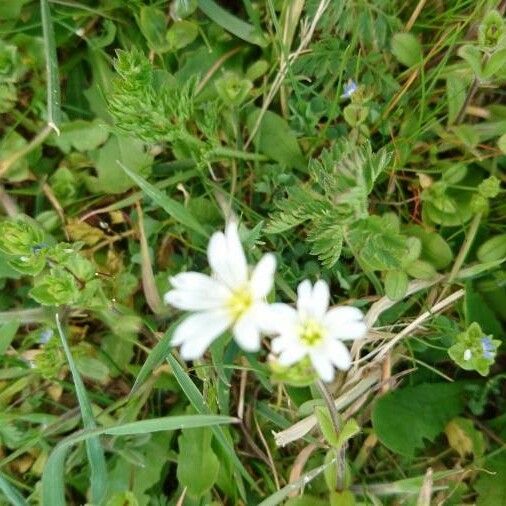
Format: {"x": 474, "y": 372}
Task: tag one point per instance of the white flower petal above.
{"x": 338, "y": 354}
{"x": 280, "y": 343}
{"x": 348, "y": 331}
{"x": 292, "y": 354}
{"x": 199, "y": 330}
{"x": 262, "y": 277}
{"x": 304, "y": 295}
{"x": 343, "y": 314}
{"x": 279, "y": 318}
{"x": 313, "y": 301}
{"x": 345, "y": 322}
{"x": 213, "y": 296}
{"x": 237, "y": 259}
{"x": 320, "y": 300}
{"x": 247, "y": 333}
{"x": 222, "y": 258}
{"x": 322, "y": 365}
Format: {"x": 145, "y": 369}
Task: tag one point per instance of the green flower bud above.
{"x": 9, "y": 63}
{"x": 492, "y": 30}
{"x": 55, "y": 289}
{"x": 20, "y": 236}
{"x": 232, "y": 89}
{"x": 490, "y": 187}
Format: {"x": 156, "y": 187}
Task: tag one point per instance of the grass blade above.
{"x": 197, "y": 401}
{"x": 170, "y": 206}
{"x": 231, "y": 23}
{"x": 282, "y": 494}
{"x": 155, "y": 357}
{"x": 53, "y": 80}
{"x": 94, "y": 449}
{"x": 11, "y": 493}
{"x": 53, "y": 487}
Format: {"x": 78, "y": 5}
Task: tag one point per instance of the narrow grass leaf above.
{"x": 232, "y": 23}
{"x": 155, "y": 357}
{"x": 283, "y": 493}
{"x": 53, "y": 80}
{"x": 94, "y": 449}
{"x": 171, "y": 206}
{"x": 197, "y": 401}
{"x": 11, "y": 493}
{"x": 53, "y": 482}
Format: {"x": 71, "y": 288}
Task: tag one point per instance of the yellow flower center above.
{"x": 239, "y": 302}
{"x": 311, "y": 332}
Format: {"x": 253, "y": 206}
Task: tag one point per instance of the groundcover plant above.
{"x": 252, "y": 252}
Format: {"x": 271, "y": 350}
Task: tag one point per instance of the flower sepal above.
{"x": 301, "y": 374}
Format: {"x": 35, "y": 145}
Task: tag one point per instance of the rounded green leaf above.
{"x": 396, "y": 284}
{"x": 493, "y": 249}
{"x": 406, "y": 49}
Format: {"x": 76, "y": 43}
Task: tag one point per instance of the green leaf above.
{"x": 377, "y": 243}
{"x": 495, "y": 63}
{"x": 55, "y": 289}
{"x": 477, "y": 310}
{"x": 173, "y": 208}
{"x": 82, "y": 135}
{"x": 349, "y": 430}
{"x": 197, "y": 401}
{"x": 94, "y": 450}
{"x": 154, "y": 28}
{"x": 464, "y": 438}
{"x": 326, "y": 425}
{"x": 9, "y": 491}
{"x": 231, "y": 23}
{"x": 473, "y": 56}
{"x": 405, "y": 418}
{"x": 396, "y": 284}
{"x": 52, "y": 77}
{"x": 181, "y": 34}
{"x": 493, "y": 249}
{"x": 7, "y": 333}
{"x": 491, "y": 485}
{"x": 407, "y": 49}
{"x": 456, "y": 92}
{"x": 276, "y": 140}
{"x": 197, "y": 465}
{"x": 53, "y": 488}
{"x": 419, "y": 269}
{"x": 110, "y": 178}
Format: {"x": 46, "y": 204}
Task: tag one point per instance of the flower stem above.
{"x": 334, "y": 416}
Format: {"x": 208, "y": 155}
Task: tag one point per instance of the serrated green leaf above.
{"x": 404, "y": 419}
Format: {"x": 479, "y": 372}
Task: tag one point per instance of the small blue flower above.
{"x": 39, "y": 247}
{"x": 45, "y": 336}
{"x": 349, "y": 88}
{"x": 488, "y": 347}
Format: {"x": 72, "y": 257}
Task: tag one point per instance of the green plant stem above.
{"x": 464, "y": 250}
{"x": 234, "y": 153}
{"x": 6, "y": 164}
{"x": 334, "y": 416}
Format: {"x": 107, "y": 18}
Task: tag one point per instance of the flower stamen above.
{"x": 239, "y": 302}
{"x": 311, "y": 332}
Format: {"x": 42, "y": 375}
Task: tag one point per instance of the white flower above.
{"x": 232, "y": 298}
{"x": 315, "y": 331}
